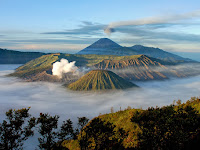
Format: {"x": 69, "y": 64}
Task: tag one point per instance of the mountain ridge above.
{"x": 138, "y": 68}
{"x": 101, "y": 47}
{"x": 17, "y": 57}
{"x": 135, "y": 67}
{"x": 157, "y": 53}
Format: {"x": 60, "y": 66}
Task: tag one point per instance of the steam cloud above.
{"x": 152, "y": 20}
{"x": 64, "y": 66}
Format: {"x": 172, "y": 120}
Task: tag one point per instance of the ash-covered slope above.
{"x": 135, "y": 67}
{"x": 140, "y": 67}
{"x": 137, "y": 60}
{"x": 100, "y": 80}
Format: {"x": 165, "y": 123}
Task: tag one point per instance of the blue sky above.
{"x": 71, "y": 25}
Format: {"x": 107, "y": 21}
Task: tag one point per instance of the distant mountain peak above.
{"x": 104, "y": 39}
{"x": 137, "y": 47}
{"x": 159, "y": 54}
{"x": 104, "y": 43}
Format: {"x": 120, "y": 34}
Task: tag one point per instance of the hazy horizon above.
{"x": 71, "y": 26}
{"x": 192, "y": 55}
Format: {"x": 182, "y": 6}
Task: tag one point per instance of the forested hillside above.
{"x": 172, "y": 127}
{"x": 176, "y": 127}
{"x": 17, "y": 57}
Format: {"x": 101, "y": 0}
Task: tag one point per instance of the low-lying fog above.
{"x": 55, "y": 99}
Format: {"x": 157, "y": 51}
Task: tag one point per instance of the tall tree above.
{"x": 16, "y": 129}
{"x": 66, "y": 130}
{"x": 99, "y": 135}
{"x": 168, "y": 127}
{"x": 47, "y": 129}
{"x": 82, "y": 121}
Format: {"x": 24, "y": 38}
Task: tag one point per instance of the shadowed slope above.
{"x": 100, "y": 80}
{"x": 104, "y": 43}
{"x": 17, "y": 57}
{"x": 160, "y": 54}
{"x": 103, "y": 46}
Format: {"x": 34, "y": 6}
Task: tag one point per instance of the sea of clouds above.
{"x": 55, "y": 99}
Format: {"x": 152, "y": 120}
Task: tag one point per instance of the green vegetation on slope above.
{"x": 100, "y": 80}
{"x": 45, "y": 62}
{"x": 169, "y": 127}
{"x": 135, "y": 67}
{"x": 35, "y": 66}
{"x": 173, "y": 127}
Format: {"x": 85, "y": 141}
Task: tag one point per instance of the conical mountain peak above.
{"x": 104, "y": 43}
{"x": 100, "y": 80}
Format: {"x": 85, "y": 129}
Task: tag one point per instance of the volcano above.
{"x": 100, "y": 80}
{"x": 103, "y": 46}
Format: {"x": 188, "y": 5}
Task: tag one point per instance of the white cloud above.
{"x": 152, "y": 20}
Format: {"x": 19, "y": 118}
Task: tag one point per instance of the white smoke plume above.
{"x": 64, "y": 66}
{"x": 152, "y": 20}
